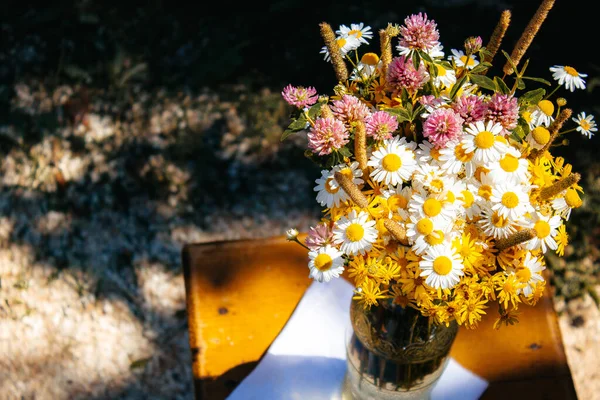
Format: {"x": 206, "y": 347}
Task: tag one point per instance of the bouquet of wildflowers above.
{"x": 438, "y": 183}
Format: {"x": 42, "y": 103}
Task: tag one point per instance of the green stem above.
{"x": 551, "y": 93}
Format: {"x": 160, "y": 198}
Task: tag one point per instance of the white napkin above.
{"x": 307, "y": 360}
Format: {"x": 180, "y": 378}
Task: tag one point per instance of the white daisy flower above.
{"x": 442, "y": 266}
{"x": 431, "y": 206}
{"x": 511, "y": 167}
{"x": 510, "y": 200}
{"x": 394, "y": 162}
{"x": 538, "y": 137}
{"x": 454, "y": 193}
{"x": 480, "y": 139}
{"x": 434, "y": 52}
{"x": 445, "y": 77}
{"x": 359, "y": 31}
{"x": 427, "y": 153}
{"x": 494, "y": 225}
{"x": 355, "y": 233}
{"x": 545, "y": 228}
{"x": 368, "y": 65}
{"x": 330, "y": 194}
{"x": 455, "y": 160}
{"x": 422, "y": 234}
{"x": 431, "y": 178}
{"x": 585, "y": 124}
{"x": 470, "y": 201}
{"x": 461, "y": 60}
{"x": 397, "y": 200}
{"x": 483, "y": 186}
{"x": 565, "y": 202}
{"x": 346, "y": 45}
{"x": 542, "y": 114}
{"x": 325, "y": 263}
{"x": 530, "y": 273}
{"x": 569, "y": 77}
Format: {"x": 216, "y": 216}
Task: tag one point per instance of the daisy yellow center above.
{"x": 498, "y": 221}
{"x": 437, "y": 185}
{"x": 501, "y": 139}
{"x": 397, "y": 201}
{"x": 540, "y": 135}
{"x": 485, "y": 191}
{"x": 524, "y": 274}
{"x": 467, "y": 61}
{"x": 461, "y": 155}
{"x": 484, "y": 140}
{"x": 328, "y": 187}
{"x": 441, "y": 71}
{"x": 355, "y": 232}
{"x": 542, "y": 229}
{"x": 435, "y": 238}
{"x": 510, "y": 200}
{"x": 323, "y": 262}
{"x": 356, "y": 33}
{"x": 509, "y": 163}
{"x": 572, "y": 198}
{"x": 526, "y": 116}
{"x": 442, "y": 265}
{"x": 571, "y": 71}
{"x": 370, "y": 59}
{"x": 547, "y": 107}
{"x": 341, "y": 42}
{"x": 432, "y": 207}
{"x": 468, "y": 198}
{"x": 450, "y": 197}
{"x": 391, "y": 162}
{"x": 424, "y": 226}
{"x": 585, "y": 125}
{"x": 435, "y": 153}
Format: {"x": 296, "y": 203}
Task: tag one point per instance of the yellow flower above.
{"x": 469, "y": 251}
{"x": 508, "y": 287}
{"x": 368, "y": 293}
{"x": 507, "y": 317}
{"x": 472, "y": 310}
{"x": 537, "y": 293}
{"x": 562, "y": 240}
{"x": 357, "y": 269}
{"x": 414, "y": 285}
{"x": 389, "y": 271}
{"x": 400, "y": 298}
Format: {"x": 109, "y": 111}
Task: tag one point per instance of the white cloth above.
{"x": 307, "y": 360}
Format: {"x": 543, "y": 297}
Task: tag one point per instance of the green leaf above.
{"x": 532, "y": 97}
{"x": 425, "y": 57}
{"x": 456, "y": 87}
{"x": 286, "y": 134}
{"x": 501, "y": 86}
{"x": 545, "y": 82}
{"x": 416, "y": 59}
{"x": 345, "y": 152}
{"x": 510, "y": 61}
{"x": 401, "y": 114}
{"x": 315, "y": 110}
{"x": 520, "y": 84}
{"x": 478, "y": 69}
{"x": 483, "y": 81}
{"x": 518, "y": 133}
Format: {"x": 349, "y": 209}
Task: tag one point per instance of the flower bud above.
{"x": 291, "y": 234}
{"x": 473, "y": 44}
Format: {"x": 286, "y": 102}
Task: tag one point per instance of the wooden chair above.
{"x": 241, "y": 293}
